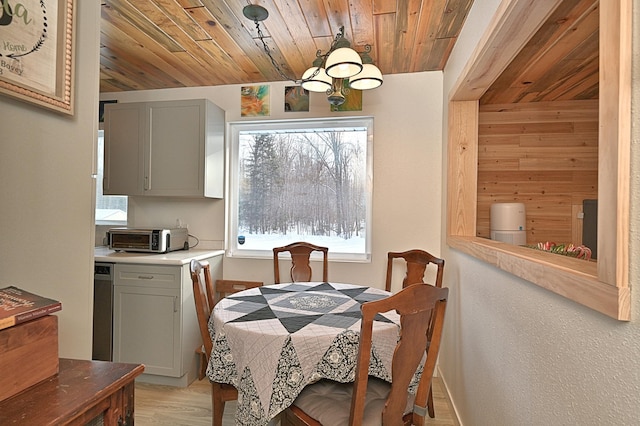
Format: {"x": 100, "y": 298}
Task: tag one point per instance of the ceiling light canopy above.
{"x": 333, "y": 72}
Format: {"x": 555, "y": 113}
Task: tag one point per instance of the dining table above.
{"x": 272, "y": 341}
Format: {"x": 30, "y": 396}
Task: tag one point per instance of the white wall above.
{"x": 407, "y": 111}
{"x": 47, "y": 194}
{"x": 516, "y": 354}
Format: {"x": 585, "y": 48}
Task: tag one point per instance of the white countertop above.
{"x": 180, "y": 257}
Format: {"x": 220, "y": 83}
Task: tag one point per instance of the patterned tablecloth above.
{"x": 271, "y": 341}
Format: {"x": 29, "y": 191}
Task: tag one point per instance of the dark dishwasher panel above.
{"x": 102, "y": 348}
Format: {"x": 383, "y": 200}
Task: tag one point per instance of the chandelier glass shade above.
{"x": 320, "y": 82}
{"x": 369, "y": 78}
{"x": 334, "y": 72}
{"x": 343, "y": 63}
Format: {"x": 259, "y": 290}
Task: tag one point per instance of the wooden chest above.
{"x": 28, "y": 354}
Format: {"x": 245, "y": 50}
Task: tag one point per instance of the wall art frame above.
{"x": 255, "y": 101}
{"x": 37, "y": 47}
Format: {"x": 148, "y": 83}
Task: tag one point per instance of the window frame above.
{"x": 602, "y": 286}
{"x": 233, "y": 130}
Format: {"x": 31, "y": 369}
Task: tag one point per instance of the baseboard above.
{"x": 450, "y": 401}
{"x": 154, "y": 379}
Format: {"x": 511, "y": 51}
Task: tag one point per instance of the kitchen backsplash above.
{"x": 204, "y": 218}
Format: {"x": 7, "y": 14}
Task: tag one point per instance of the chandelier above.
{"x": 333, "y": 72}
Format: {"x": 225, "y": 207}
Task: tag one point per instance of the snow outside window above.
{"x": 302, "y": 180}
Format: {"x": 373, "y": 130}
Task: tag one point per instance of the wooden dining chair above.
{"x": 373, "y": 401}
{"x": 416, "y": 262}
{"x": 222, "y": 289}
{"x": 300, "y": 266}
{"x": 206, "y": 296}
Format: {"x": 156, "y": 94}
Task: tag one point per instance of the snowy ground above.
{"x": 335, "y": 244}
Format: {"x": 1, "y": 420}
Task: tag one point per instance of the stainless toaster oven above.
{"x": 148, "y": 240}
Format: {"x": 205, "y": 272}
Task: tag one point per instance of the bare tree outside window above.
{"x": 310, "y": 183}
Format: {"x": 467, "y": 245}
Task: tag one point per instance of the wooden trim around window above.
{"x": 602, "y": 286}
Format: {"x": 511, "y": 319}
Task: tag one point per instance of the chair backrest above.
{"x": 416, "y": 262}
{"x": 206, "y": 296}
{"x": 300, "y": 266}
{"x": 226, "y": 287}
{"x": 200, "y": 295}
{"x": 415, "y": 304}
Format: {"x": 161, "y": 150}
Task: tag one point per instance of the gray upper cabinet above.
{"x": 169, "y": 148}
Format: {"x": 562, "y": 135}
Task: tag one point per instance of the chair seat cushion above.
{"x": 329, "y": 402}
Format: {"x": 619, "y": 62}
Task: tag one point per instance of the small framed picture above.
{"x": 254, "y": 101}
{"x": 296, "y": 99}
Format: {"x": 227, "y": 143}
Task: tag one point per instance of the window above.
{"x": 110, "y": 209}
{"x": 303, "y": 180}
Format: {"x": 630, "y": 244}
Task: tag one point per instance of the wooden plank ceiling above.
{"x": 559, "y": 63}
{"x": 153, "y": 44}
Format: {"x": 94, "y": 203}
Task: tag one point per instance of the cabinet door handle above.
{"x": 146, "y": 183}
{"x": 145, "y": 277}
{"x": 175, "y": 304}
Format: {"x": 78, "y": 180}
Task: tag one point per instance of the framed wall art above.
{"x": 254, "y": 101}
{"x": 296, "y": 99}
{"x": 37, "y": 52}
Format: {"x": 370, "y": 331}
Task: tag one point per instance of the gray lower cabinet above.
{"x": 155, "y": 322}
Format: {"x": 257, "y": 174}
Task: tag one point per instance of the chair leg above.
{"x": 430, "y": 409}
{"x": 202, "y": 364}
{"x": 217, "y": 402}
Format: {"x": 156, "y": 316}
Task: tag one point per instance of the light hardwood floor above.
{"x": 166, "y": 405}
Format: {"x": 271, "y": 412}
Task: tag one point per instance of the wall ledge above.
{"x": 574, "y": 279}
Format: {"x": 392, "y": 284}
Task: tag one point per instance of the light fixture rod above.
{"x": 258, "y": 13}
{"x": 344, "y": 64}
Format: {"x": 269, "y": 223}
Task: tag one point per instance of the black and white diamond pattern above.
{"x": 324, "y": 304}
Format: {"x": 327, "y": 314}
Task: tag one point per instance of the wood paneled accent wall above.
{"x": 542, "y": 154}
